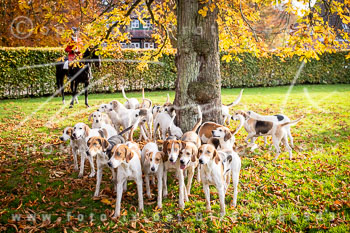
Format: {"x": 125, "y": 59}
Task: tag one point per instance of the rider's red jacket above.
{"x": 73, "y": 48}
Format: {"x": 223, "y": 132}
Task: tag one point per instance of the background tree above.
{"x": 199, "y": 29}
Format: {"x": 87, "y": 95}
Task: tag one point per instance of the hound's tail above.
{"x": 236, "y": 101}
{"x": 171, "y": 122}
{"x": 133, "y": 127}
{"x": 124, "y": 94}
{"x": 259, "y": 117}
{"x": 149, "y": 101}
{"x": 125, "y": 130}
{"x": 167, "y": 99}
{"x": 143, "y": 93}
{"x": 292, "y": 122}
{"x": 241, "y": 123}
{"x": 200, "y": 118}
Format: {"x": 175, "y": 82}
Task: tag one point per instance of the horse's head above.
{"x": 92, "y": 57}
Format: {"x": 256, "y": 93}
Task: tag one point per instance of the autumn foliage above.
{"x": 255, "y": 26}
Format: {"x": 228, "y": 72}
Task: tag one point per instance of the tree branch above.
{"x": 148, "y": 4}
{"x": 246, "y": 21}
{"x": 109, "y": 31}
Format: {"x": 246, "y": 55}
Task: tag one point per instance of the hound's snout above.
{"x": 61, "y": 138}
{"x": 182, "y": 162}
{"x": 87, "y": 153}
{"x": 201, "y": 161}
{"x": 109, "y": 164}
{"x": 153, "y": 169}
{"x": 171, "y": 160}
{"x": 96, "y": 121}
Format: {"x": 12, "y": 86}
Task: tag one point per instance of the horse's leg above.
{"x": 86, "y": 92}
{"x": 62, "y": 87}
{"x": 59, "y": 81}
{"x": 74, "y": 87}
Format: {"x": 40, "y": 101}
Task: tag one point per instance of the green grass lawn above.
{"x": 308, "y": 193}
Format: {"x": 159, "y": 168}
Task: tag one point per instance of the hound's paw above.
{"x": 70, "y": 106}
{"x": 88, "y": 106}
{"x": 80, "y": 175}
{"x": 92, "y": 174}
{"x": 76, "y": 168}
{"x": 182, "y": 206}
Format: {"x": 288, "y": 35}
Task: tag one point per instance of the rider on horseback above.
{"x": 73, "y": 47}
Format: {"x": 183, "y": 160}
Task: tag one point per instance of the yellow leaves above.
{"x": 106, "y": 201}
{"x": 203, "y": 11}
{"x": 347, "y": 56}
{"x": 212, "y": 7}
{"x": 23, "y": 5}
{"x": 227, "y": 57}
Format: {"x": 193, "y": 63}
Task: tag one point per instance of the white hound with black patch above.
{"x": 278, "y": 131}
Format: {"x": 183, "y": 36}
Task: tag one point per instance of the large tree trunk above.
{"x": 198, "y": 65}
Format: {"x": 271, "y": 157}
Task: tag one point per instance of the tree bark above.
{"x": 198, "y": 65}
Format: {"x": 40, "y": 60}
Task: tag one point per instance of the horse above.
{"x": 81, "y": 73}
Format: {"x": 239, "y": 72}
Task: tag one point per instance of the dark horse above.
{"x": 77, "y": 74}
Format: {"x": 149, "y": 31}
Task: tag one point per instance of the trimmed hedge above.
{"x": 251, "y": 72}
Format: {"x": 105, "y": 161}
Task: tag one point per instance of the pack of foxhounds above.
{"x": 207, "y": 150}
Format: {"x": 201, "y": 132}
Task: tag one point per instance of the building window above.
{"x": 148, "y": 45}
{"x": 123, "y": 45}
{"x": 135, "y": 45}
{"x": 135, "y": 23}
{"x": 147, "y": 24}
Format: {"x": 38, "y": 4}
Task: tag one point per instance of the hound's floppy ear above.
{"x": 90, "y": 117}
{"x": 216, "y": 157}
{"x": 103, "y": 133}
{"x": 229, "y": 158}
{"x": 227, "y": 135}
{"x": 70, "y": 131}
{"x": 147, "y": 154}
{"x": 194, "y": 154}
{"x": 104, "y": 144}
{"x": 183, "y": 144}
{"x": 198, "y": 155}
{"x": 165, "y": 145}
{"x": 114, "y": 104}
{"x": 88, "y": 142}
{"x": 128, "y": 154}
{"x": 87, "y": 130}
{"x": 164, "y": 156}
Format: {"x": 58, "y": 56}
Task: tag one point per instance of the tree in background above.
{"x": 198, "y": 29}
